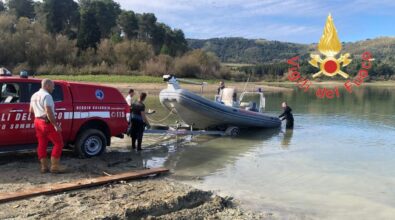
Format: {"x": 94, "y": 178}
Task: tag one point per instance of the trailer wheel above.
{"x": 232, "y": 131}
{"x": 90, "y": 143}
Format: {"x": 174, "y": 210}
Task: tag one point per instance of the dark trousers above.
{"x": 289, "y": 124}
{"x": 136, "y": 133}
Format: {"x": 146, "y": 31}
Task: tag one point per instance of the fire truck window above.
{"x": 28, "y": 89}
{"x": 32, "y": 88}
{"x": 57, "y": 94}
{"x": 10, "y": 93}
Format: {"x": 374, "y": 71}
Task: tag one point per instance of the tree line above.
{"x": 269, "y": 58}
{"x": 94, "y": 37}
{"x": 279, "y": 71}
{"x": 98, "y": 37}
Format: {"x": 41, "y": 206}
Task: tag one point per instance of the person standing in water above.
{"x": 287, "y": 115}
{"x": 138, "y": 121}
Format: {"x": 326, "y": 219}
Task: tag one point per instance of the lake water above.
{"x": 338, "y": 162}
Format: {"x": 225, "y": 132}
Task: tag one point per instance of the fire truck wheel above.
{"x": 90, "y": 143}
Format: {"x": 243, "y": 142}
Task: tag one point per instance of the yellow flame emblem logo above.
{"x": 330, "y": 46}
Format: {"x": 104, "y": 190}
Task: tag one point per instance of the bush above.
{"x": 56, "y": 70}
{"x": 87, "y": 57}
{"x": 26, "y": 45}
{"x": 200, "y": 64}
{"x": 22, "y": 66}
{"x": 103, "y": 69}
{"x": 120, "y": 69}
{"x": 62, "y": 51}
{"x": 238, "y": 76}
{"x": 105, "y": 52}
{"x": 133, "y": 53}
{"x": 224, "y": 73}
{"x": 159, "y": 66}
{"x": 186, "y": 67}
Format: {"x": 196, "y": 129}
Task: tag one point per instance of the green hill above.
{"x": 269, "y": 57}
{"x": 240, "y": 50}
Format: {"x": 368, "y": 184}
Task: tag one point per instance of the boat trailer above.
{"x": 183, "y": 130}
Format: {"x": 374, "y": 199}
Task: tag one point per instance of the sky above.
{"x": 299, "y": 21}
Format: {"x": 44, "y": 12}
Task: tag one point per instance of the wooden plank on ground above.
{"x": 78, "y": 184}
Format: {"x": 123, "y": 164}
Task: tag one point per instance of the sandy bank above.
{"x": 152, "y": 198}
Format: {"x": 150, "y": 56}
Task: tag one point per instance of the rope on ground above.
{"x": 163, "y": 119}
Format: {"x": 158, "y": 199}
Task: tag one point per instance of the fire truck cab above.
{"x": 88, "y": 114}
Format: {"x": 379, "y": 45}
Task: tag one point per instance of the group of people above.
{"x": 138, "y": 119}
{"x": 48, "y": 129}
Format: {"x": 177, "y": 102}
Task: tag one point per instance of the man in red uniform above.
{"x": 47, "y": 129}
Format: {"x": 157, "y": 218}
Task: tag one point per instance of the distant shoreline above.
{"x": 153, "y": 85}
{"x": 371, "y": 83}
{"x": 155, "y": 79}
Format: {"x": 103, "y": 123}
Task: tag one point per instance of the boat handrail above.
{"x": 172, "y": 79}
{"x": 192, "y": 82}
{"x": 172, "y": 82}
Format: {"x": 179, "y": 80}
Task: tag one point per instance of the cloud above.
{"x": 267, "y": 7}
{"x": 289, "y": 20}
{"x": 152, "y": 5}
{"x": 289, "y": 8}
{"x": 270, "y": 31}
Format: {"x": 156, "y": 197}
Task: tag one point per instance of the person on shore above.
{"x": 221, "y": 87}
{"x": 287, "y": 115}
{"x": 129, "y": 97}
{"x": 139, "y": 121}
{"x": 47, "y": 129}
{"x": 129, "y": 100}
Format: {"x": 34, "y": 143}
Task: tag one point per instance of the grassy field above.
{"x": 237, "y": 64}
{"x": 105, "y": 78}
{"x": 116, "y": 79}
{"x": 151, "y": 79}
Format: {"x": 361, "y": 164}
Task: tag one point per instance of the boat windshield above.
{"x": 227, "y": 96}
{"x": 252, "y": 101}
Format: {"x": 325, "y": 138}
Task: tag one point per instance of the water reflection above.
{"x": 362, "y": 102}
{"x": 287, "y": 136}
{"x": 194, "y": 157}
{"x": 334, "y": 164}
{"x": 203, "y": 159}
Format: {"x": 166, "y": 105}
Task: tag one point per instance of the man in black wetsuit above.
{"x": 138, "y": 121}
{"x": 221, "y": 87}
{"x": 287, "y": 115}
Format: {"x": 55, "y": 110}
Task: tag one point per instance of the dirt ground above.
{"x": 158, "y": 197}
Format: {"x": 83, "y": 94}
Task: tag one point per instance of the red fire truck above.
{"x": 88, "y": 114}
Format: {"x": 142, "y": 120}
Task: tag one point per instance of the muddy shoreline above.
{"x": 160, "y": 197}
